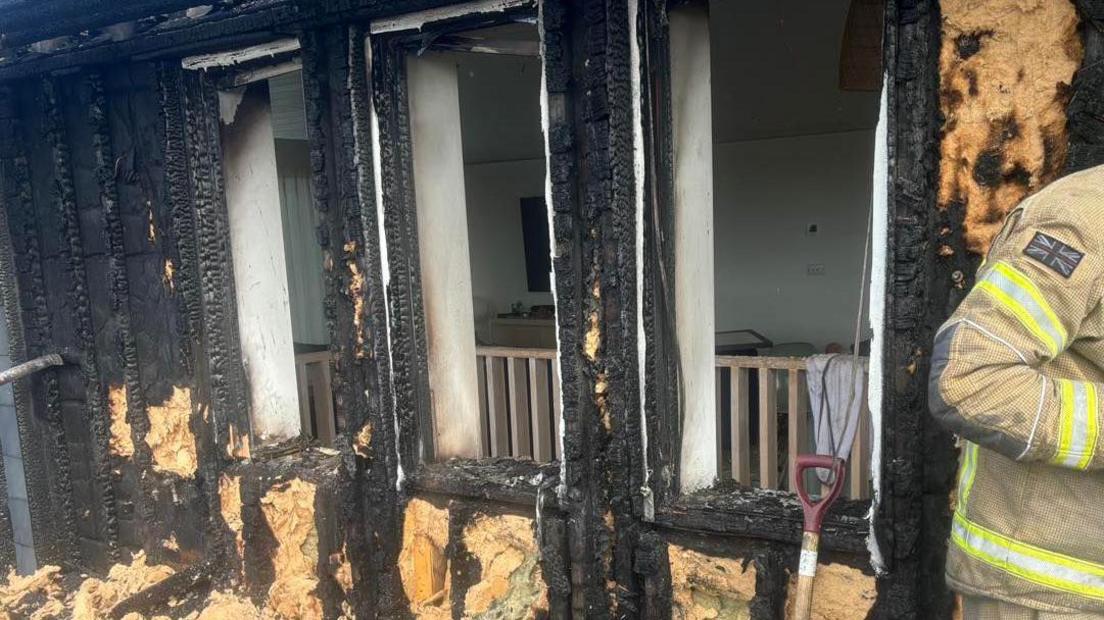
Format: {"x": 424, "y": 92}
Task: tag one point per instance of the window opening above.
{"x": 479, "y": 177}
{"x": 772, "y": 132}
{"x": 277, "y": 260}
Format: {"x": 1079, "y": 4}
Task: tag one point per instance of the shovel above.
{"x": 814, "y": 515}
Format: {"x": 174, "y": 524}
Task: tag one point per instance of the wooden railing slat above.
{"x": 518, "y": 388}
{"x": 481, "y": 372}
{"x": 516, "y": 352}
{"x": 768, "y": 430}
{"x": 557, "y": 409}
{"x": 496, "y": 406}
{"x": 539, "y": 405}
{"x": 741, "y": 441}
{"x": 795, "y": 424}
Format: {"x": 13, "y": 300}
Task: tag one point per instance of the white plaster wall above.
{"x": 444, "y": 257}
{"x": 692, "y": 113}
{"x": 494, "y": 193}
{"x": 260, "y": 276}
{"x": 767, "y": 193}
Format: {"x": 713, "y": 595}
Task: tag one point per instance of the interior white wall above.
{"x": 260, "y": 277}
{"x": 767, "y": 193}
{"x": 691, "y": 102}
{"x": 444, "y": 258}
{"x": 494, "y": 193}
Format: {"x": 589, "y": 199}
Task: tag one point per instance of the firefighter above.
{"x": 1018, "y": 374}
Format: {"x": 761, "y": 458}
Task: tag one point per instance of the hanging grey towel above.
{"x": 835, "y": 399}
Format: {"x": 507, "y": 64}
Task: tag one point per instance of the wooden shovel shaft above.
{"x": 806, "y": 571}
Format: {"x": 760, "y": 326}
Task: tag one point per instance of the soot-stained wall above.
{"x": 111, "y": 186}
{"x": 112, "y": 435}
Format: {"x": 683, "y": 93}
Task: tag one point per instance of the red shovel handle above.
{"x": 814, "y": 511}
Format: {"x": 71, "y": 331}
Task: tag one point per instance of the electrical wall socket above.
{"x": 814, "y": 269}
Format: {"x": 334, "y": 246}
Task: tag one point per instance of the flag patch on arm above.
{"x": 1057, "y": 256}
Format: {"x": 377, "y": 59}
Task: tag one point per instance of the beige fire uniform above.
{"x": 1018, "y": 374}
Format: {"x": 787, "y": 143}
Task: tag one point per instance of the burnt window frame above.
{"x": 497, "y": 478}
{"x": 723, "y": 508}
{"x": 200, "y": 84}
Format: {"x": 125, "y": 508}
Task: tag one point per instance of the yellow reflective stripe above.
{"x": 967, "y": 473}
{"x": 1078, "y": 424}
{"x": 1046, "y": 568}
{"x": 1019, "y": 295}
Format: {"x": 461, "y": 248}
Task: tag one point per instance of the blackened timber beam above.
{"x": 72, "y": 254}
{"x": 338, "y": 103}
{"x": 181, "y": 244}
{"x": 912, "y": 518}
{"x": 9, "y": 299}
{"x": 179, "y": 249}
{"x": 27, "y": 21}
{"x": 248, "y": 23}
{"x": 399, "y": 221}
{"x": 42, "y": 435}
{"x": 137, "y": 414}
{"x": 225, "y": 374}
{"x": 765, "y": 515}
{"x": 1085, "y": 113}
{"x": 506, "y": 481}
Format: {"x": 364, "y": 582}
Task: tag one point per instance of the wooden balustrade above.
{"x": 520, "y": 411}
{"x": 519, "y": 402}
{"x": 735, "y": 373}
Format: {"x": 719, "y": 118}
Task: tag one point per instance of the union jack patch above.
{"x": 1059, "y": 257}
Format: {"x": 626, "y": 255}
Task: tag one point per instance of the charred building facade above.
{"x": 263, "y": 236}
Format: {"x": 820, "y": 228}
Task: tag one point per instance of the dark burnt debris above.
{"x": 114, "y": 248}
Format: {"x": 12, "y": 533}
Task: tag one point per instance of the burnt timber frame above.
{"x": 599, "y": 527}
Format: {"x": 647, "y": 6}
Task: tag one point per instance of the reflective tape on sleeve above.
{"x": 1078, "y": 424}
{"x": 1016, "y": 293}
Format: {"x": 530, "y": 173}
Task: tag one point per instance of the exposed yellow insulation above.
{"x": 356, "y": 293}
{"x": 168, "y": 275}
{"x": 121, "y": 443}
{"x": 38, "y": 596}
{"x": 363, "y": 441}
{"x": 96, "y": 597}
{"x": 840, "y": 593}
{"x": 342, "y": 570}
{"x": 511, "y": 586}
{"x": 706, "y": 586}
{"x": 170, "y": 436}
{"x": 422, "y": 567}
{"x": 1005, "y": 71}
{"x": 230, "y": 505}
{"x": 230, "y": 606}
{"x": 288, "y": 509}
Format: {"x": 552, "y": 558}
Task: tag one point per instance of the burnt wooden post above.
{"x": 918, "y": 459}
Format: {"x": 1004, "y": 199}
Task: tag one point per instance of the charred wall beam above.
{"x": 243, "y": 23}
{"x": 1086, "y": 108}
{"x": 223, "y": 377}
{"x": 27, "y": 22}
{"x": 912, "y": 517}
{"x": 72, "y": 262}
{"x": 38, "y": 401}
{"x": 338, "y": 101}
{"x": 125, "y": 355}
{"x": 408, "y": 365}
{"x": 33, "y": 434}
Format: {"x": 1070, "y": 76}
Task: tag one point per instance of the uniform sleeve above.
{"x": 991, "y": 380}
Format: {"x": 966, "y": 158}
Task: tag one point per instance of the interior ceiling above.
{"x": 775, "y": 72}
